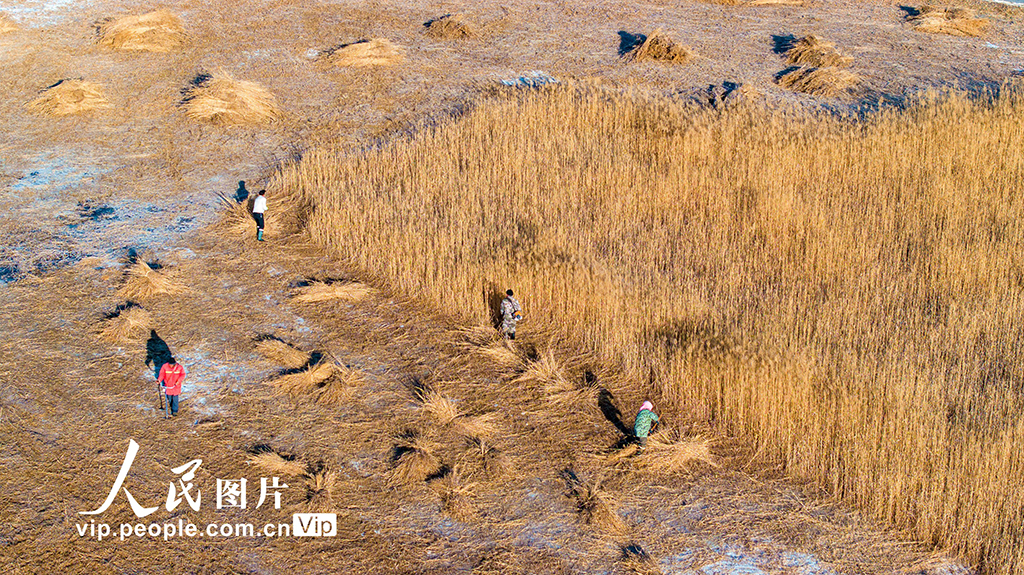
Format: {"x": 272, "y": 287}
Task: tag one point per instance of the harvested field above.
{"x": 68, "y": 97}
{"x": 157, "y": 31}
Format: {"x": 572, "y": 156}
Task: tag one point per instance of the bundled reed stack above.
{"x": 223, "y": 100}
{"x": 449, "y": 27}
{"x": 157, "y": 31}
{"x": 951, "y": 21}
{"x": 658, "y": 47}
{"x": 69, "y": 97}
{"x": 366, "y": 53}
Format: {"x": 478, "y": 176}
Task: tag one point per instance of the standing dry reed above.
{"x": 847, "y": 293}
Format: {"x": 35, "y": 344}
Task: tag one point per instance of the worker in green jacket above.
{"x": 646, "y": 419}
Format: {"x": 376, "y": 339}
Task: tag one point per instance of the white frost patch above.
{"x": 43, "y": 12}
{"x": 532, "y": 79}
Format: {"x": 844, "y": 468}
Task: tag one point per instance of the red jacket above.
{"x": 172, "y": 376}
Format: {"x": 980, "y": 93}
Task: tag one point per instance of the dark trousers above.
{"x": 172, "y": 404}
{"x": 259, "y": 220}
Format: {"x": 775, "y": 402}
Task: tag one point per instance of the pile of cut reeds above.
{"x": 157, "y": 31}
{"x": 69, "y": 96}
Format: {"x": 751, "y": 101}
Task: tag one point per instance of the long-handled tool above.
{"x": 160, "y": 393}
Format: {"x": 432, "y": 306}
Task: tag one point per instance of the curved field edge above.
{"x": 846, "y": 292}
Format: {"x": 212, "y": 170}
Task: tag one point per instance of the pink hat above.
{"x": 648, "y": 406}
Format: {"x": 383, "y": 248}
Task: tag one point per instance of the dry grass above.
{"x": 636, "y": 561}
{"x": 417, "y": 462}
{"x": 551, "y": 378}
{"x": 6, "y": 24}
{"x": 129, "y": 324}
{"x": 456, "y": 497}
{"x": 145, "y": 283}
{"x": 222, "y": 100}
{"x": 273, "y": 463}
{"x": 775, "y": 2}
{"x": 364, "y": 53}
{"x": 320, "y": 486}
{"x": 494, "y": 461}
{"x": 500, "y": 353}
{"x": 339, "y": 387}
{"x": 318, "y": 292}
{"x": 658, "y": 47}
{"x": 952, "y": 21}
{"x": 306, "y": 381}
{"x": 813, "y": 51}
{"x": 823, "y": 82}
{"x": 69, "y": 97}
{"x": 844, "y": 291}
{"x": 667, "y": 454}
{"x": 597, "y": 508}
{"x": 440, "y": 407}
{"x": 449, "y": 27}
{"x": 157, "y": 31}
{"x": 282, "y": 353}
{"x": 477, "y": 426}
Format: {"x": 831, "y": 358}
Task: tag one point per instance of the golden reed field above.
{"x": 844, "y": 291}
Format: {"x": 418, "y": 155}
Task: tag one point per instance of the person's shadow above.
{"x": 606, "y": 401}
{"x": 157, "y": 352}
{"x": 241, "y": 194}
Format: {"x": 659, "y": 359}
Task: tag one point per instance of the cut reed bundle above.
{"x": 952, "y": 21}
{"x": 364, "y": 53}
{"x": 128, "y": 324}
{"x": 223, "y": 100}
{"x": 815, "y": 52}
{"x": 157, "y": 31}
{"x": 272, "y": 463}
{"x": 69, "y": 97}
{"x": 824, "y": 82}
{"x": 282, "y": 353}
{"x": 448, "y": 27}
{"x": 658, "y": 47}
{"x": 319, "y": 291}
{"x": 145, "y": 283}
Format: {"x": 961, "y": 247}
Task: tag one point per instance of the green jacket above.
{"x": 645, "y": 420}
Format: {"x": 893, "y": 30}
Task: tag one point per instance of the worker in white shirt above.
{"x": 258, "y": 207}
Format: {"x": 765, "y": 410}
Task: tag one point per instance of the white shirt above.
{"x": 260, "y": 205}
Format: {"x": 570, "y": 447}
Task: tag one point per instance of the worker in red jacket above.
{"x": 172, "y": 375}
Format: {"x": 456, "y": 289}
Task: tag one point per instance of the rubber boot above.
{"x": 259, "y": 235}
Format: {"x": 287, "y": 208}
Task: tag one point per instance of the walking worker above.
{"x": 259, "y": 206}
{"x": 172, "y": 375}
{"x": 646, "y": 419}
{"x": 510, "y": 314}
